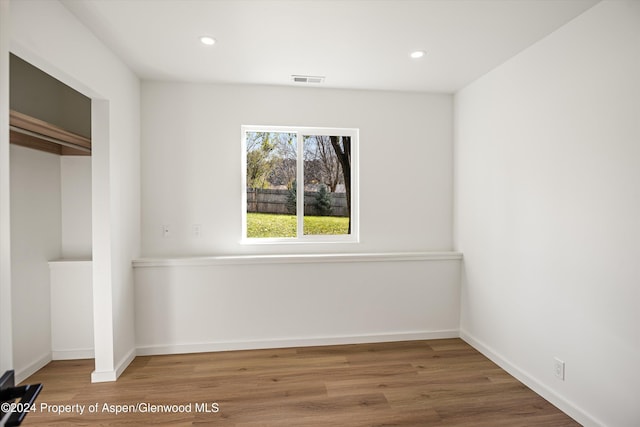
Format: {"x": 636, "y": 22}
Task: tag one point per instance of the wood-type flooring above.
{"x": 414, "y": 383}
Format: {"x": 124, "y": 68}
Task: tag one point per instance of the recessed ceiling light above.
{"x": 417, "y": 54}
{"x": 209, "y": 41}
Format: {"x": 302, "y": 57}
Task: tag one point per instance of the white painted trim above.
{"x": 84, "y": 353}
{"x": 6, "y": 328}
{"x": 102, "y": 242}
{"x": 297, "y": 259}
{"x": 109, "y": 376}
{"x": 293, "y": 342}
{"x": 571, "y": 409}
{"x": 125, "y": 361}
{"x": 69, "y": 262}
{"x": 103, "y": 376}
{"x": 300, "y": 131}
{"x": 34, "y": 367}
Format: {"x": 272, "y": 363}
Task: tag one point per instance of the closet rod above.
{"x": 50, "y": 139}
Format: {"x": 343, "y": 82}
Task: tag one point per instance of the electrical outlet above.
{"x": 166, "y": 232}
{"x": 197, "y": 230}
{"x": 558, "y": 368}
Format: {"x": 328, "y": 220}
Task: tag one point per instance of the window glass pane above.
{"x": 271, "y": 184}
{"x": 327, "y": 184}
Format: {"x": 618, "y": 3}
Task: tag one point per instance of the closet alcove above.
{"x": 51, "y": 243}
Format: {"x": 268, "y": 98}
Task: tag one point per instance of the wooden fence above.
{"x": 275, "y": 201}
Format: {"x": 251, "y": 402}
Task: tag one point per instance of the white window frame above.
{"x": 300, "y": 131}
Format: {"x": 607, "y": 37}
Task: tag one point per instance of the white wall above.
{"x": 39, "y": 95}
{"x": 191, "y": 174}
{"x": 547, "y": 214}
{"x": 247, "y": 303}
{"x": 71, "y": 310}
{"x": 48, "y": 36}
{"x": 191, "y": 170}
{"x": 36, "y": 235}
{"x": 75, "y": 175}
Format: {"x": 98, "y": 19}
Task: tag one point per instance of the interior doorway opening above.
{"x": 51, "y": 219}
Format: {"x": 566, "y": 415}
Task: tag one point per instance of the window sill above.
{"x": 305, "y": 240}
{"x": 297, "y": 259}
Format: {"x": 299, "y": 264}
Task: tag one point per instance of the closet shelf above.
{"x": 34, "y": 133}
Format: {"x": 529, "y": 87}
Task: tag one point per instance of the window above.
{"x": 300, "y": 184}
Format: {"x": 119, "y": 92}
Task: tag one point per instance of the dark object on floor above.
{"x": 9, "y": 393}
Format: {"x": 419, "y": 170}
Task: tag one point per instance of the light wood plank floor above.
{"x": 416, "y": 383}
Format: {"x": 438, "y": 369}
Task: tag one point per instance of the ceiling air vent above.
{"x": 307, "y": 79}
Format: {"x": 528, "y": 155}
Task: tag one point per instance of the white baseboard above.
{"x": 108, "y": 376}
{"x": 294, "y": 342}
{"x": 32, "y": 368}
{"x": 83, "y": 353}
{"x": 575, "y": 412}
{"x": 125, "y": 361}
{"x": 103, "y": 376}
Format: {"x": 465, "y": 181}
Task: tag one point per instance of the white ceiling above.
{"x": 354, "y": 43}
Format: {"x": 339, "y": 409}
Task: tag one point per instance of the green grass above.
{"x": 273, "y": 225}
{"x": 332, "y": 225}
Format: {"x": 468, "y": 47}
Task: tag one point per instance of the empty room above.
{"x": 320, "y": 212}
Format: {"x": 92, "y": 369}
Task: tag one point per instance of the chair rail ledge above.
{"x": 296, "y": 259}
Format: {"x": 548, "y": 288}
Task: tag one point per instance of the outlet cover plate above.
{"x": 558, "y": 368}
